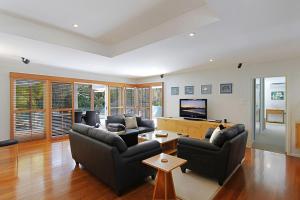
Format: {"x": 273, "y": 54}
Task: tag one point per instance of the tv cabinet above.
{"x": 195, "y": 129}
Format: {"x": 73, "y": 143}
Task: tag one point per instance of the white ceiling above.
{"x": 138, "y": 38}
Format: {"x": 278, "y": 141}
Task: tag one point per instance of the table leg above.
{"x": 164, "y": 186}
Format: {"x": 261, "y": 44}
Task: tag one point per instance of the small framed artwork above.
{"x": 277, "y": 95}
{"x": 226, "y": 88}
{"x": 206, "y": 89}
{"x": 189, "y": 90}
{"x": 174, "y": 90}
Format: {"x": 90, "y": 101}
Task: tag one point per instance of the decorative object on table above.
{"x": 226, "y": 88}
{"x": 164, "y": 160}
{"x": 206, "y": 89}
{"x": 189, "y": 90}
{"x": 225, "y": 120}
{"x": 277, "y": 95}
{"x": 161, "y": 134}
{"x": 174, "y": 90}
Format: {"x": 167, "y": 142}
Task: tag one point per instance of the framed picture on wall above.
{"x": 226, "y": 88}
{"x": 206, "y": 89}
{"x": 277, "y": 95}
{"x": 189, "y": 90}
{"x": 174, "y": 90}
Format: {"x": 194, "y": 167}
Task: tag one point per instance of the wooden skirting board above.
{"x": 297, "y": 135}
{"x": 195, "y": 129}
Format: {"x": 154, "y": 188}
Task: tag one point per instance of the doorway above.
{"x": 270, "y": 114}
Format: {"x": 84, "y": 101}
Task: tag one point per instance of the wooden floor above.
{"x": 46, "y": 171}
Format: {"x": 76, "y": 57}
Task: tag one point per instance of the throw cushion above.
{"x": 220, "y": 139}
{"x": 130, "y": 122}
{"x": 215, "y": 134}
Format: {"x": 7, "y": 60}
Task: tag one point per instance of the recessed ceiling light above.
{"x": 211, "y": 60}
{"x": 75, "y": 25}
{"x": 192, "y": 34}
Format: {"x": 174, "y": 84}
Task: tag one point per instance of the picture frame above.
{"x": 226, "y": 88}
{"x": 189, "y": 90}
{"x": 277, "y": 95}
{"x": 206, "y": 89}
{"x": 174, "y": 91}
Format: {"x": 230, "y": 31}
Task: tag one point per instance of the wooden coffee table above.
{"x": 164, "y": 185}
{"x": 168, "y": 144}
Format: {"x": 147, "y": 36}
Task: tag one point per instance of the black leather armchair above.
{"x": 107, "y": 156}
{"x": 211, "y": 160}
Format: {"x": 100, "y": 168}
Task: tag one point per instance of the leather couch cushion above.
{"x": 115, "y": 127}
{"x": 116, "y": 119}
{"x": 108, "y": 138}
{"x": 130, "y": 131}
{"x": 81, "y": 128}
{"x": 145, "y": 129}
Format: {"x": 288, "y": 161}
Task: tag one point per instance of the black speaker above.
{"x": 78, "y": 117}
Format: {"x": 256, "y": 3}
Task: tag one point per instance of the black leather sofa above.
{"x": 130, "y": 136}
{"x": 212, "y": 160}
{"x": 144, "y": 125}
{"x": 106, "y": 155}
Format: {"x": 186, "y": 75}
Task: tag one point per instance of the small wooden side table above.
{"x": 164, "y": 185}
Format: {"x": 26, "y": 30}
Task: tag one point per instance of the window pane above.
{"x": 61, "y": 99}
{"x": 144, "y": 102}
{"x": 156, "y": 102}
{"x": 130, "y": 97}
{"x": 115, "y": 97}
{"x": 61, "y": 95}
{"x": 83, "y": 95}
{"x": 99, "y": 102}
{"x": 116, "y": 106}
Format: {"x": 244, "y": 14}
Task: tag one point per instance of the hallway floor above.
{"x": 272, "y": 138}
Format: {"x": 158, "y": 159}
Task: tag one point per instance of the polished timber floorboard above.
{"x": 47, "y": 171}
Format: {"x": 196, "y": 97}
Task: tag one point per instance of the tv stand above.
{"x": 194, "y": 119}
{"x": 193, "y": 128}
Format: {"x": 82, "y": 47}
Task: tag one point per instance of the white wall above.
{"x": 7, "y": 66}
{"x": 237, "y": 107}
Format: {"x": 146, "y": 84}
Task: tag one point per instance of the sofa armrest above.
{"x": 142, "y": 149}
{"x": 199, "y": 144}
{"x": 147, "y": 123}
{"x": 131, "y": 139}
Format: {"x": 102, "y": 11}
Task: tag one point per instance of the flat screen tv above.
{"x": 193, "y": 108}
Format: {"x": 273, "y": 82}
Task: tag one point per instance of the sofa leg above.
{"x": 153, "y": 176}
{"x": 220, "y": 182}
{"x": 183, "y": 170}
{"x": 77, "y": 164}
